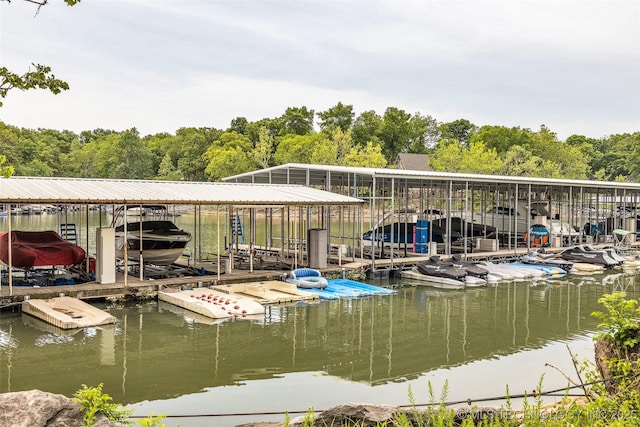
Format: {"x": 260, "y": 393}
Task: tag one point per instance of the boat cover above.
{"x": 39, "y": 248}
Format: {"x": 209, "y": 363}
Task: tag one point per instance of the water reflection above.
{"x": 158, "y": 351}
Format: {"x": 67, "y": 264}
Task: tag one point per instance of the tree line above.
{"x": 332, "y": 137}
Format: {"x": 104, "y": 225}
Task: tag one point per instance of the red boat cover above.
{"x": 38, "y": 248}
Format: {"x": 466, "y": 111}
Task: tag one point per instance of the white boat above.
{"x": 67, "y": 312}
{"x": 159, "y": 241}
{"x": 474, "y": 282}
{"x": 494, "y": 278}
{"x": 435, "y": 281}
{"x": 510, "y": 219}
{"x": 588, "y": 267}
{"x": 501, "y": 271}
{"x": 531, "y": 272}
{"x": 211, "y": 303}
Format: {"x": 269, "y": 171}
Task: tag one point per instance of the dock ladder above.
{"x": 237, "y": 230}
{"x": 68, "y": 232}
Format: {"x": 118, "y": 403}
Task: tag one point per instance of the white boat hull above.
{"x": 151, "y": 256}
{"x": 436, "y": 282}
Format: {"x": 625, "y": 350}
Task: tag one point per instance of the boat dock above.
{"x": 307, "y": 220}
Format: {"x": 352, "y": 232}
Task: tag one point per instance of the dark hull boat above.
{"x": 404, "y": 233}
{"x": 470, "y": 267}
{"x": 462, "y": 228}
{"x": 435, "y": 267}
{"x": 39, "y": 248}
{"x": 442, "y": 274}
{"x": 587, "y": 254}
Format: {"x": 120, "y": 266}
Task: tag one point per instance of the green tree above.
{"x": 519, "y": 161}
{"x": 83, "y": 159}
{"x": 502, "y": 138}
{"x": 634, "y": 157}
{"x": 273, "y": 126}
{"x": 343, "y": 143}
{"x": 395, "y": 134}
{"x": 332, "y": 150}
{"x": 325, "y": 153}
{"x": 481, "y": 160}
{"x": 162, "y": 145}
{"x": 297, "y": 121}
{"x": 339, "y": 116}
{"x": 263, "y": 151}
{"x": 239, "y": 125}
{"x": 194, "y": 143}
{"x": 366, "y": 128}
{"x": 424, "y": 134}
{"x": 447, "y": 156}
{"x": 370, "y": 156}
{"x": 231, "y": 154}
{"x": 453, "y": 156}
{"x": 461, "y": 130}
{"x": 167, "y": 171}
{"x": 128, "y": 157}
{"x": 5, "y": 170}
{"x": 298, "y": 148}
{"x": 569, "y": 159}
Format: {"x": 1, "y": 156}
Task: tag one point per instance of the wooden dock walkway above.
{"x": 136, "y": 288}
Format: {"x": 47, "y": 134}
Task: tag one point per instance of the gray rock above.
{"x": 365, "y": 415}
{"x": 35, "y": 408}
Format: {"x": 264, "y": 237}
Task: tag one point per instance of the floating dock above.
{"x": 346, "y": 288}
{"x": 211, "y": 303}
{"x": 67, "y": 312}
{"x": 268, "y": 292}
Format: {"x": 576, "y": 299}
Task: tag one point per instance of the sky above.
{"x": 160, "y": 65}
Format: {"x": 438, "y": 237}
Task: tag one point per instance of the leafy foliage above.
{"x": 369, "y": 140}
{"x": 621, "y": 321}
{"x": 40, "y": 77}
{"x": 5, "y": 170}
{"x": 339, "y": 116}
{"x": 152, "y": 421}
{"x": 94, "y": 401}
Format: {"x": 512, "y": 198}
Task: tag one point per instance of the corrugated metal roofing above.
{"x": 307, "y": 174}
{"x": 113, "y": 191}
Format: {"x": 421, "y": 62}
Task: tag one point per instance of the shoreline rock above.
{"x": 35, "y": 408}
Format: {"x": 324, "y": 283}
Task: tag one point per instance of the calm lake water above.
{"x": 159, "y": 359}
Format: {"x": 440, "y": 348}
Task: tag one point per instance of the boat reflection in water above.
{"x": 162, "y": 359}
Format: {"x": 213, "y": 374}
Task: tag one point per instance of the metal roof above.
{"x": 116, "y": 191}
{"x": 307, "y": 174}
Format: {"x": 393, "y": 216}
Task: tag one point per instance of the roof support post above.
{"x": 449, "y": 204}
{"x": 10, "y": 251}
{"x": 463, "y": 221}
{"x": 528, "y": 231}
{"x": 140, "y": 242}
{"x": 515, "y": 221}
{"x": 125, "y": 249}
{"x": 374, "y": 236}
{"x": 393, "y": 221}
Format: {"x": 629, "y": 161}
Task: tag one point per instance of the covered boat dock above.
{"x": 471, "y": 213}
{"x": 291, "y": 202}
